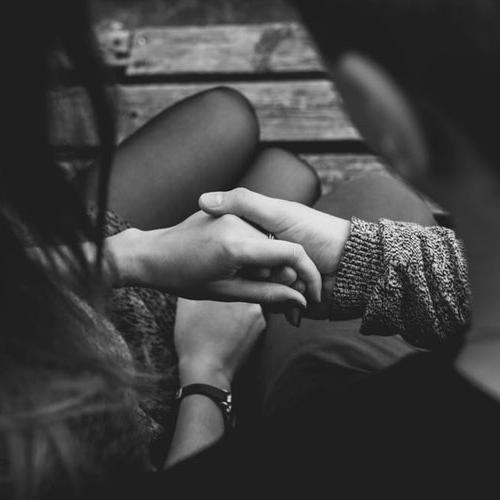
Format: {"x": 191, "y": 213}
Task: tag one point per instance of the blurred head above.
{"x": 418, "y": 77}
{"x": 421, "y": 80}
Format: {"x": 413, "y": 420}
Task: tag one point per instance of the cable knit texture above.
{"x": 404, "y": 279}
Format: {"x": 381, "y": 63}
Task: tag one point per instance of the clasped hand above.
{"x": 207, "y": 257}
{"x": 321, "y": 235}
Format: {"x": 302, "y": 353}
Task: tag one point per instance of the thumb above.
{"x": 254, "y": 207}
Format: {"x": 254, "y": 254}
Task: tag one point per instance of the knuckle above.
{"x": 134, "y": 235}
{"x": 240, "y": 192}
{"x": 297, "y": 252}
{"x": 252, "y": 313}
{"x": 300, "y": 286}
{"x": 260, "y": 322}
{"x": 240, "y": 195}
{"x": 228, "y": 245}
{"x": 255, "y": 311}
{"x": 268, "y": 297}
{"x": 289, "y": 274}
{"x": 229, "y": 220}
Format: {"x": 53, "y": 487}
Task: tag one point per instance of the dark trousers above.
{"x": 287, "y": 360}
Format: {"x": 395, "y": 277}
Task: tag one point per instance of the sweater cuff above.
{"x": 359, "y": 268}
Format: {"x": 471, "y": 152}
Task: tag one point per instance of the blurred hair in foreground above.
{"x": 56, "y": 386}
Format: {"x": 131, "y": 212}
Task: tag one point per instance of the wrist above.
{"x": 360, "y": 269}
{"x": 204, "y": 372}
{"x": 126, "y": 251}
{"x": 339, "y": 232}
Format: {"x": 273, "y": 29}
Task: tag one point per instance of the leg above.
{"x": 203, "y": 143}
{"x": 290, "y": 356}
{"x": 280, "y": 174}
{"x": 376, "y": 196}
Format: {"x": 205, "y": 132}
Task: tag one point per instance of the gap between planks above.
{"x": 287, "y": 110}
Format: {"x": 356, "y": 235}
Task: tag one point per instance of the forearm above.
{"x": 200, "y": 424}
{"x": 122, "y": 260}
{"x": 404, "y": 279}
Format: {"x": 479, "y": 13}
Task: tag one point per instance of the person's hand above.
{"x": 207, "y": 258}
{"x": 213, "y": 339}
{"x": 323, "y": 236}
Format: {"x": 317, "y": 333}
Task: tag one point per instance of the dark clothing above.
{"x": 418, "y": 427}
{"x": 331, "y": 424}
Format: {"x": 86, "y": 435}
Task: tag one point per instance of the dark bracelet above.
{"x": 223, "y": 399}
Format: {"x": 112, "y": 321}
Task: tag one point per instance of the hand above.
{"x": 206, "y": 258}
{"x": 214, "y": 338}
{"x": 322, "y": 236}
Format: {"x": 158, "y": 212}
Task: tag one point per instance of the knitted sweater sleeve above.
{"x": 404, "y": 279}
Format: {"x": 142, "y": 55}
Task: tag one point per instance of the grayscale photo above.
{"x": 248, "y": 249}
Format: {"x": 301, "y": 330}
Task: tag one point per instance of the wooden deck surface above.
{"x": 274, "y": 65}
{"x": 137, "y": 13}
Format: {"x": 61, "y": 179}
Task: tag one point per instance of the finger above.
{"x": 284, "y": 275}
{"x": 255, "y": 207}
{"x": 273, "y": 253}
{"x": 259, "y": 292}
{"x": 294, "y": 316}
{"x": 257, "y": 274}
{"x": 300, "y": 286}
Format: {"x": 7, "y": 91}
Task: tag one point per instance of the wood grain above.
{"x": 287, "y": 110}
{"x": 115, "y": 43}
{"x": 260, "y": 48}
{"x": 336, "y": 168}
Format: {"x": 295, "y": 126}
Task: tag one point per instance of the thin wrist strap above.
{"x": 222, "y": 398}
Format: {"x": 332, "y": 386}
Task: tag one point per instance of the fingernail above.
{"x": 295, "y": 317}
{"x": 295, "y": 304}
{"x": 212, "y": 200}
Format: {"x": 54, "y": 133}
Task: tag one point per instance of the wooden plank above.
{"x": 336, "y": 168}
{"x": 188, "y": 12}
{"x": 287, "y": 110}
{"x": 260, "y": 48}
{"x": 115, "y": 43}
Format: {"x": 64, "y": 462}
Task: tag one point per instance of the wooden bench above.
{"x": 275, "y": 65}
